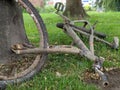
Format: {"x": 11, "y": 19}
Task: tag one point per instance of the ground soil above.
{"x": 16, "y": 66}
{"x": 113, "y": 78}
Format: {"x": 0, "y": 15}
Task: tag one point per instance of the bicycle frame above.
{"x": 70, "y": 29}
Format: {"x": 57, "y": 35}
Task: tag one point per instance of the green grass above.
{"x": 70, "y": 67}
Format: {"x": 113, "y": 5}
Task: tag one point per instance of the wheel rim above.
{"x": 39, "y": 60}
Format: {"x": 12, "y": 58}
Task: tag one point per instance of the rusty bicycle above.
{"x": 44, "y": 48}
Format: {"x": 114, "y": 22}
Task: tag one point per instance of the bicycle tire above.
{"x": 43, "y": 43}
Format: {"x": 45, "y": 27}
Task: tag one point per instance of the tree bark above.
{"x": 37, "y": 3}
{"x": 11, "y": 29}
{"x": 74, "y": 9}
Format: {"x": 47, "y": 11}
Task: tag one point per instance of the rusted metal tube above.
{"x": 48, "y": 50}
{"x": 98, "y": 34}
{"x": 96, "y": 38}
{"x": 80, "y": 44}
{"x": 105, "y": 82}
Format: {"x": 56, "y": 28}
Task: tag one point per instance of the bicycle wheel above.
{"x": 39, "y": 60}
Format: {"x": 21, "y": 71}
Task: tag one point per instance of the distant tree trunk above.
{"x": 11, "y": 29}
{"x": 42, "y": 3}
{"x": 38, "y": 3}
{"x": 74, "y": 9}
{"x": 113, "y": 5}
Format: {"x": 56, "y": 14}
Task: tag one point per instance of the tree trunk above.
{"x": 74, "y": 9}
{"x": 37, "y": 3}
{"x": 11, "y": 29}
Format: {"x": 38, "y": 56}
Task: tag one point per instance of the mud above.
{"x": 112, "y": 75}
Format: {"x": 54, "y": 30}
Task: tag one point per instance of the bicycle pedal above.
{"x": 59, "y": 6}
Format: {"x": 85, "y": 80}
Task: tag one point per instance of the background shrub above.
{"x": 46, "y": 9}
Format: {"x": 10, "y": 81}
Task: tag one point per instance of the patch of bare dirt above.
{"x": 16, "y": 66}
{"x": 112, "y": 75}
